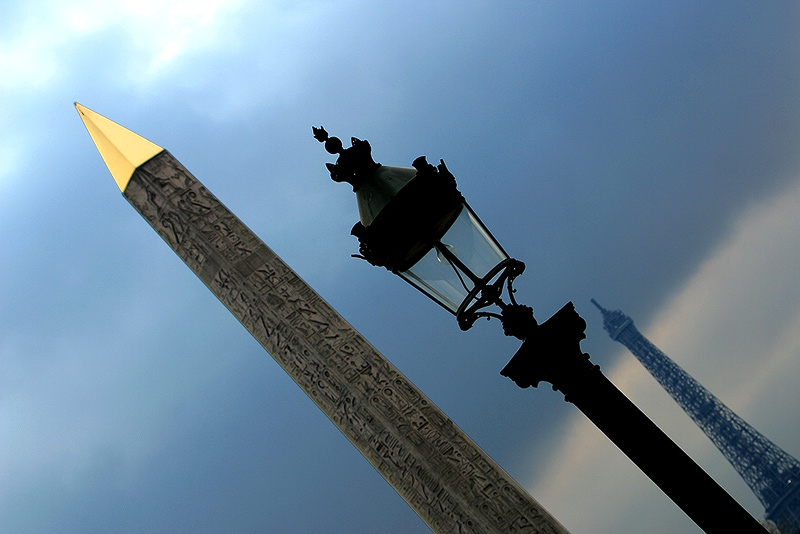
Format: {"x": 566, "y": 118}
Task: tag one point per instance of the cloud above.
{"x": 733, "y": 326}
{"x": 54, "y": 52}
{"x": 742, "y": 307}
{"x": 31, "y": 56}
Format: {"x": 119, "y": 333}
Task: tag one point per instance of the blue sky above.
{"x": 642, "y": 154}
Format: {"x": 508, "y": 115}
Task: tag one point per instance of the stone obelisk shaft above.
{"x": 450, "y": 482}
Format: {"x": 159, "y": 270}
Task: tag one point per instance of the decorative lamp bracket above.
{"x": 517, "y": 319}
{"x": 551, "y": 353}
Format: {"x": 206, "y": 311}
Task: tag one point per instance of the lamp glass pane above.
{"x": 466, "y": 256}
{"x": 472, "y": 243}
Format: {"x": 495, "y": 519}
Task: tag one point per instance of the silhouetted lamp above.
{"x": 415, "y": 223}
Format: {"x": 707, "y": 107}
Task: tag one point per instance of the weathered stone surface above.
{"x": 450, "y": 482}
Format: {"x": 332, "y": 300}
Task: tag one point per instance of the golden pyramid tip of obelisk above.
{"x": 121, "y": 149}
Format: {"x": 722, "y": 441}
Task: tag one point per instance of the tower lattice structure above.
{"x": 772, "y": 474}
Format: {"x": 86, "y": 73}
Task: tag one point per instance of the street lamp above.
{"x": 415, "y": 223}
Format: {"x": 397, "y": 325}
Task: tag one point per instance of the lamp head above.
{"x": 415, "y": 223}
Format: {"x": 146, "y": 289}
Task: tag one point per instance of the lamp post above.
{"x": 415, "y": 223}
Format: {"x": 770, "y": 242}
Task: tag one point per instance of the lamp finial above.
{"x": 354, "y": 165}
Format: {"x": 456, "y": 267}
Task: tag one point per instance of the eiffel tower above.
{"x": 772, "y": 474}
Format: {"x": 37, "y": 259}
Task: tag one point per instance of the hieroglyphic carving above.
{"x": 451, "y": 483}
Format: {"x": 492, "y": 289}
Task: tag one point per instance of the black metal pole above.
{"x": 551, "y": 353}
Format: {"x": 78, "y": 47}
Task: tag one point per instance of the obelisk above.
{"x": 446, "y": 478}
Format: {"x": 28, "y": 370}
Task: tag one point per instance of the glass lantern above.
{"x": 415, "y": 223}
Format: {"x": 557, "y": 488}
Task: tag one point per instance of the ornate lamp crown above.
{"x": 354, "y": 165}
